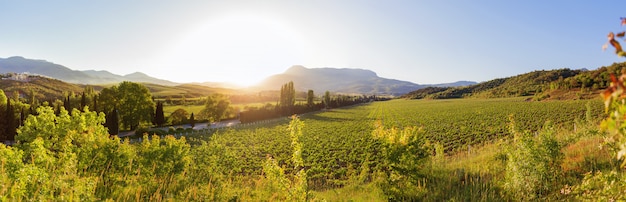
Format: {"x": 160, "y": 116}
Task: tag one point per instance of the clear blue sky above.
{"x": 423, "y": 41}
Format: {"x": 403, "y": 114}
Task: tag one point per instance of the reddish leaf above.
{"x": 621, "y": 34}
{"x": 606, "y": 95}
{"x": 614, "y": 43}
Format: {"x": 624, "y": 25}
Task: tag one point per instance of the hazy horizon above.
{"x": 242, "y": 42}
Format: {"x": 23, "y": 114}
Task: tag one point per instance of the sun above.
{"x": 239, "y": 49}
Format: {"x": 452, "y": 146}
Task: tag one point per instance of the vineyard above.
{"x": 338, "y": 143}
{"x": 389, "y": 150}
{"x": 458, "y": 123}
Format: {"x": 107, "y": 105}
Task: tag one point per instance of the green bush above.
{"x": 405, "y": 153}
{"x": 533, "y": 164}
{"x": 72, "y": 157}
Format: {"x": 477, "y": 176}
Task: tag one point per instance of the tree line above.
{"x": 287, "y": 105}
{"x": 127, "y": 106}
{"x": 130, "y": 106}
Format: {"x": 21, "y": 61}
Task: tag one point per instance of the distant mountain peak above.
{"x": 338, "y": 80}
{"x": 136, "y": 74}
{"x": 296, "y": 69}
{"x": 16, "y": 57}
{"x": 351, "y": 72}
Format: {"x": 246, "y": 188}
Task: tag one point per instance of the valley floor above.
{"x": 426, "y": 150}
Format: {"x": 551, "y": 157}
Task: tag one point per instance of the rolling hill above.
{"x": 43, "y": 88}
{"x": 543, "y": 84}
{"x": 48, "y": 89}
{"x": 348, "y": 81}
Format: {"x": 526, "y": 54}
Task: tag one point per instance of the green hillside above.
{"x": 43, "y": 88}
{"x": 544, "y": 84}
{"x": 188, "y": 90}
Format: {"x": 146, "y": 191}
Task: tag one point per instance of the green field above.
{"x": 344, "y": 156}
{"x": 338, "y": 143}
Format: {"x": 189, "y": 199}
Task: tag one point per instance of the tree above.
{"x": 3, "y": 98}
{"x": 108, "y": 98}
{"x": 310, "y": 96}
{"x": 67, "y": 104}
{"x": 9, "y": 123}
{"x": 179, "y": 116}
{"x": 327, "y": 99}
{"x": 192, "y": 120}
{"x": 287, "y": 96}
{"x": 3, "y": 120}
{"x": 95, "y": 103}
{"x": 16, "y": 95}
{"x": 22, "y": 117}
{"x": 132, "y": 100}
{"x": 83, "y": 101}
{"x": 33, "y": 98}
{"x": 215, "y": 107}
{"x": 159, "y": 118}
{"x": 113, "y": 122}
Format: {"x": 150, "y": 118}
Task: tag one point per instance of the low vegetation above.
{"x": 357, "y": 152}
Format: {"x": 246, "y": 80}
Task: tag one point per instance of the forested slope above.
{"x": 543, "y": 84}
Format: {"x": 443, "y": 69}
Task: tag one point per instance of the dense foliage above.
{"x": 132, "y": 101}
{"x": 215, "y": 107}
{"x": 72, "y": 157}
{"x": 553, "y": 84}
{"x": 531, "y": 83}
{"x": 269, "y": 111}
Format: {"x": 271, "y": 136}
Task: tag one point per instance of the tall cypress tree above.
{"x": 287, "y": 97}
{"x": 192, "y": 120}
{"x": 83, "y": 102}
{"x": 22, "y": 117}
{"x": 66, "y": 104}
{"x": 3, "y": 123}
{"x": 159, "y": 117}
{"x": 112, "y": 122}
{"x": 327, "y": 99}
{"x": 95, "y": 103}
{"x": 310, "y": 98}
{"x": 10, "y": 126}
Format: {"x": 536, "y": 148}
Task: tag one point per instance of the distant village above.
{"x": 24, "y": 77}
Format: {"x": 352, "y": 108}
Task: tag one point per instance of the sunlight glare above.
{"x": 246, "y": 48}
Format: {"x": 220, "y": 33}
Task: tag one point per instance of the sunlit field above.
{"x": 338, "y": 144}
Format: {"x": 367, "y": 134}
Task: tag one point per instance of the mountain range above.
{"x": 19, "y": 64}
{"x": 343, "y": 80}
{"x": 336, "y": 80}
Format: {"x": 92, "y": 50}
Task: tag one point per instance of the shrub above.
{"x": 533, "y": 164}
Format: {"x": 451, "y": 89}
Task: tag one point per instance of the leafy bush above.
{"x": 72, "y": 157}
{"x": 405, "y": 153}
{"x": 533, "y": 164}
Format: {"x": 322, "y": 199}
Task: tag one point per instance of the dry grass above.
{"x": 586, "y": 154}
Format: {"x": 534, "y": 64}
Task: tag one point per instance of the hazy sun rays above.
{"x": 247, "y": 47}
